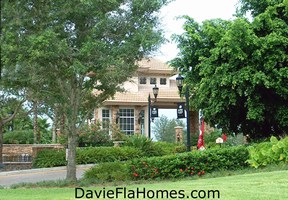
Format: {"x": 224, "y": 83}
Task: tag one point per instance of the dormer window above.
{"x": 163, "y": 81}
{"x": 153, "y": 81}
{"x": 143, "y": 80}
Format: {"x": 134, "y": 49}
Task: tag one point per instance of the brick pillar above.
{"x": 114, "y": 110}
{"x": 179, "y": 134}
{"x": 136, "y": 121}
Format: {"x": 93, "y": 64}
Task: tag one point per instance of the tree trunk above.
{"x": 1, "y": 143}
{"x": 71, "y": 163}
{"x": 71, "y": 114}
{"x": 54, "y": 127}
{"x": 35, "y": 123}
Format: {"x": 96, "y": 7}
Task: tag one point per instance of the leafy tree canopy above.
{"x": 239, "y": 72}
{"x": 164, "y": 128}
{"x": 62, "y": 51}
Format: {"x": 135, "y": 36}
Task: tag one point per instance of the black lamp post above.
{"x": 11, "y": 125}
{"x": 155, "y": 92}
{"x": 179, "y": 82}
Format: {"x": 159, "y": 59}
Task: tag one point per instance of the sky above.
{"x": 200, "y": 10}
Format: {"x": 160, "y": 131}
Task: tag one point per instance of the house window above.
{"x": 142, "y": 80}
{"x": 163, "y": 81}
{"x": 105, "y": 119}
{"x": 127, "y": 121}
{"x": 153, "y": 81}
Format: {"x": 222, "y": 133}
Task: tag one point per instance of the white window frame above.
{"x": 127, "y": 123}
{"x": 105, "y": 118}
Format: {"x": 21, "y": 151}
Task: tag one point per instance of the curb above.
{"x": 42, "y": 169}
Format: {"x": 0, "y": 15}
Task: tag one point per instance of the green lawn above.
{"x": 265, "y": 185}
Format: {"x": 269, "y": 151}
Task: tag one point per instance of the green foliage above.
{"x": 111, "y": 171}
{"x": 165, "y": 128}
{"x": 240, "y": 71}
{"x": 210, "y": 139}
{"x": 49, "y": 158}
{"x": 106, "y": 154}
{"x": 144, "y": 144}
{"x": 189, "y": 164}
{"x": 169, "y": 148}
{"x": 19, "y": 137}
{"x": 50, "y": 47}
{"x": 93, "y": 135}
{"x": 265, "y": 153}
{"x": 87, "y": 155}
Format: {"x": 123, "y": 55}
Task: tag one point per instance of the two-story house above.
{"x": 129, "y": 109}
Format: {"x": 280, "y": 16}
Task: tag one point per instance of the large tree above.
{"x": 237, "y": 70}
{"x": 164, "y": 128}
{"x": 74, "y": 54}
{"x": 10, "y": 107}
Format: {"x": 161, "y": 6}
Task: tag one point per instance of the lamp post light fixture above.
{"x": 179, "y": 83}
{"x": 155, "y": 93}
{"x": 11, "y": 125}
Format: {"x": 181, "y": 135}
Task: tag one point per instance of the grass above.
{"x": 255, "y": 186}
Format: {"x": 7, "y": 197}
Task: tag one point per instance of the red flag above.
{"x": 200, "y": 143}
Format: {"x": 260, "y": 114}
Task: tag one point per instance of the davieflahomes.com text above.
{"x": 143, "y": 193}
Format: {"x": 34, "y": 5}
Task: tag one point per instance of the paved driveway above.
{"x": 37, "y": 175}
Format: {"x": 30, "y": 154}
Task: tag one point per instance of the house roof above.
{"x": 165, "y": 99}
{"x": 168, "y": 97}
{"x": 153, "y": 65}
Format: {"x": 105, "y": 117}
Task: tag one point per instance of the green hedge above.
{"x": 265, "y": 153}
{"x": 187, "y": 164}
{"x": 86, "y": 155}
{"x": 49, "y": 158}
{"x": 19, "y": 137}
{"x": 53, "y": 158}
{"x": 178, "y": 165}
{"x": 106, "y": 154}
{"x": 110, "y": 171}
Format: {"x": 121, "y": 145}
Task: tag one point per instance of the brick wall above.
{"x": 16, "y": 149}
{"x": 31, "y": 149}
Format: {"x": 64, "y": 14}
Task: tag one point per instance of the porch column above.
{"x": 136, "y": 121}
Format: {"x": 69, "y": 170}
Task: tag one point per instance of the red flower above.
{"x": 191, "y": 173}
{"x": 135, "y": 174}
{"x": 203, "y": 172}
{"x": 199, "y": 173}
{"x": 181, "y": 170}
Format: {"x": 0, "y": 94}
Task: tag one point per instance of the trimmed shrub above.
{"x": 53, "y": 158}
{"x": 144, "y": 144}
{"x": 86, "y": 155}
{"x": 169, "y": 148}
{"x": 93, "y": 136}
{"x": 19, "y": 137}
{"x": 265, "y": 153}
{"x": 188, "y": 164}
{"x": 109, "y": 171}
{"x": 106, "y": 154}
{"x": 49, "y": 158}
